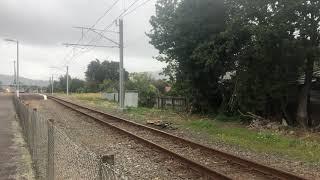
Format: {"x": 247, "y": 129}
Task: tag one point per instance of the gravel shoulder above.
{"x": 132, "y": 158}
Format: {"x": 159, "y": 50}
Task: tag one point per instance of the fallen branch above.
{"x": 251, "y": 115}
{"x": 317, "y": 128}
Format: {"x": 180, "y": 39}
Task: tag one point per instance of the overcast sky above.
{"x": 42, "y": 26}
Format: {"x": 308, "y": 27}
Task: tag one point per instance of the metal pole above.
{"x": 18, "y": 79}
{"x": 121, "y": 82}
{"x": 67, "y": 80}
{"x": 52, "y": 85}
{"x": 15, "y": 75}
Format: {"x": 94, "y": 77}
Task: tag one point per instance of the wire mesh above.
{"x": 35, "y": 131}
{"x": 109, "y": 173}
{"x": 55, "y": 155}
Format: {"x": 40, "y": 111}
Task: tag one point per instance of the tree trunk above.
{"x": 285, "y": 112}
{"x": 302, "y": 111}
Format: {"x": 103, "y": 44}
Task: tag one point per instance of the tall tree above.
{"x": 92, "y": 73}
{"x": 178, "y": 29}
{"x": 63, "y": 82}
{"x": 100, "y": 75}
{"x": 268, "y": 59}
{"x": 99, "y": 71}
{"x": 242, "y": 54}
{"x": 76, "y": 85}
{"x": 308, "y": 28}
{"x": 143, "y": 83}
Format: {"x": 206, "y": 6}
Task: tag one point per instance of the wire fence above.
{"x": 174, "y": 103}
{"x": 57, "y": 156}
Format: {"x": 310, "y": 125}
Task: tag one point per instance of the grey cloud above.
{"x": 44, "y": 25}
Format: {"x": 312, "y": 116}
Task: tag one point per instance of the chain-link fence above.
{"x": 56, "y": 156}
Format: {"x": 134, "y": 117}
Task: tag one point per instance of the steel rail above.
{"x": 240, "y": 161}
{"x": 205, "y": 172}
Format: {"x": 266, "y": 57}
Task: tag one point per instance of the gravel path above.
{"x": 137, "y": 161}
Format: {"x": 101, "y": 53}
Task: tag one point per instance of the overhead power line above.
{"x": 83, "y": 35}
{"x": 101, "y": 35}
{"x": 88, "y": 45}
{"x": 94, "y": 40}
{"x": 114, "y": 20}
{"x": 132, "y": 4}
{"x": 142, "y": 4}
{"x": 99, "y": 30}
{"x": 104, "y": 14}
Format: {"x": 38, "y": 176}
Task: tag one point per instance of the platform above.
{"x": 15, "y": 161}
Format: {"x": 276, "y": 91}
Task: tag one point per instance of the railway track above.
{"x": 208, "y": 162}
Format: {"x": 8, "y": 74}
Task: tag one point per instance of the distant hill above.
{"x": 7, "y": 80}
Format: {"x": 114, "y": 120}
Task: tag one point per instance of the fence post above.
{"x": 162, "y": 102}
{"x": 34, "y": 134}
{"x": 29, "y": 129}
{"x": 185, "y": 104}
{"x": 172, "y": 101}
{"x": 50, "y": 165}
{"x": 106, "y": 160}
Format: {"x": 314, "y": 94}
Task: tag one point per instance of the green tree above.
{"x": 308, "y": 27}
{"x": 142, "y": 82}
{"x": 267, "y": 55}
{"x": 93, "y": 73}
{"x": 63, "y": 83}
{"x": 160, "y": 85}
{"x": 77, "y": 85}
{"x": 99, "y": 74}
{"x": 240, "y": 55}
{"x": 284, "y": 36}
{"x": 178, "y": 29}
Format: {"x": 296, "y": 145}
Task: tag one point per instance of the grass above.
{"x": 261, "y": 142}
{"x": 220, "y": 128}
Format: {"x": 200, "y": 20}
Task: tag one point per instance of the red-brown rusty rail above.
{"x": 207, "y": 172}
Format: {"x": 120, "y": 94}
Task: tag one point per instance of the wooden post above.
{"x": 185, "y": 104}
{"x": 172, "y": 102}
{"x": 158, "y": 102}
{"x": 162, "y": 102}
{"x": 50, "y": 165}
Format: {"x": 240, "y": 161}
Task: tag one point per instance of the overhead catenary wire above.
{"x": 140, "y": 5}
{"x": 95, "y": 40}
{"x": 104, "y": 14}
{"x": 114, "y": 20}
{"x": 128, "y": 13}
{"x": 83, "y": 35}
